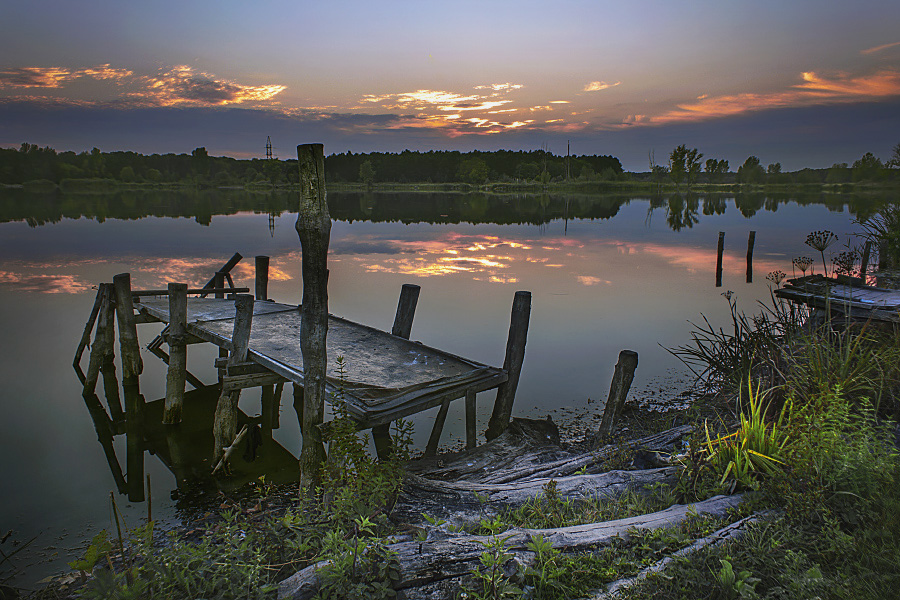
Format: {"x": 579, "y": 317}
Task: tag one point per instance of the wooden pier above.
{"x": 849, "y": 296}
{"x": 385, "y": 375}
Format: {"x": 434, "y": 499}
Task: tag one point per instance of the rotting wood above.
{"x": 191, "y": 291}
{"x": 314, "y": 229}
{"x": 219, "y": 285}
{"x": 262, "y": 277}
{"x": 177, "y": 371}
{"x": 132, "y": 366}
{"x": 471, "y": 429}
{"x": 456, "y": 502}
{"x": 864, "y": 264}
{"x": 86, "y": 336}
{"x": 226, "y": 268}
{"x": 529, "y": 449}
{"x": 453, "y": 557}
{"x": 618, "y": 391}
{"x": 225, "y": 423}
{"x": 728, "y": 533}
{"x": 229, "y": 450}
{"x": 512, "y": 364}
{"x": 751, "y": 240}
{"x": 242, "y": 382}
{"x": 403, "y": 322}
{"x": 108, "y": 368}
{"x": 134, "y": 440}
{"x": 435, "y": 437}
{"x": 297, "y": 393}
{"x": 719, "y": 252}
{"x": 99, "y": 349}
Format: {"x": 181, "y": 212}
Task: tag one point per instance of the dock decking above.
{"x": 386, "y": 377}
{"x": 845, "y": 295}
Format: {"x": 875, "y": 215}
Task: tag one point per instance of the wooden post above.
{"x": 267, "y": 402}
{"x": 262, "y": 277}
{"x": 177, "y": 371}
{"x": 406, "y": 310}
{"x": 226, "y": 268}
{"x": 314, "y": 229}
{"x": 435, "y": 437}
{"x": 750, "y": 241}
{"x": 108, "y": 368}
{"x": 618, "y": 390}
{"x": 219, "y": 284}
{"x": 99, "y": 349}
{"x": 512, "y": 364}
{"x": 471, "y": 432}
{"x": 719, "y": 259}
{"x": 134, "y": 441}
{"x": 132, "y": 366}
{"x": 103, "y": 426}
{"x": 864, "y": 265}
{"x": 403, "y": 322}
{"x": 298, "y": 403}
{"x": 225, "y": 424}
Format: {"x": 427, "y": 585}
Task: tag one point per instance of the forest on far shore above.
{"x": 31, "y": 163}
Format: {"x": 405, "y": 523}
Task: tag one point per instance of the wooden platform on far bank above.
{"x": 846, "y": 295}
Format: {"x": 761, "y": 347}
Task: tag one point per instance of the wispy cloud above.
{"x": 596, "y": 86}
{"x": 875, "y": 49}
{"x": 814, "y": 89}
{"x": 180, "y": 85}
{"x": 54, "y": 77}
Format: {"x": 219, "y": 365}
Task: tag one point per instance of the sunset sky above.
{"x": 804, "y": 83}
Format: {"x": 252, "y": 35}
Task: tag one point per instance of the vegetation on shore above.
{"x": 42, "y": 169}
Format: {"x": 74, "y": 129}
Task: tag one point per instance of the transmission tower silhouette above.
{"x": 268, "y": 148}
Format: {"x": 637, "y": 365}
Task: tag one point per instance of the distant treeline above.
{"x": 33, "y": 163}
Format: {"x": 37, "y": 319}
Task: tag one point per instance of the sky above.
{"x": 806, "y": 83}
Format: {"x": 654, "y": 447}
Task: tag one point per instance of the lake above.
{"x": 606, "y": 273}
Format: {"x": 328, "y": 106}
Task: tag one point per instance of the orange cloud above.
{"x": 181, "y": 86}
{"x": 54, "y": 77}
{"x": 875, "y": 49}
{"x": 596, "y": 86}
{"x": 815, "y": 89}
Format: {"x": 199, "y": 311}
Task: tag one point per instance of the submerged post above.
{"x": 177, "y": 371}
{"x": 134, "y": 402}
{"x": 512, "y": 364}
{"x": 225, "y": 424}
{"x": 403, "y": 322}
{"x": 864, "y": 265}
{"x": 719, "y": 259}
{"x": 314, "y": 228}
{"x": 435, "y": 437}
{"x": 618, "y": 390}
{"x": 750, "y": 242}
{"x": 262, "y": 277}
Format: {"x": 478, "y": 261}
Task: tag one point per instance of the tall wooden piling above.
{"x": 512, "y": 364}
{"x": 719, "y": 253}
{"x": 314, "y": 229}
{"x": 750, "y": 242}
{"x": 471, "y": 432}
{"x": 108, "y": 368}
{"x": 403, "y": 322}
{"x": 618, "y": 391}
{"x": 262, "y": 277}
{"x": 177, "y": 371}
{"x": 219, "y": 284}
{"x": 864, "y": 264}
{"x": 225, "y": 424}
{"x": 128, "y": 340}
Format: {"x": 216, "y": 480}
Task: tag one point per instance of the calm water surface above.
{"x": 606, "y": 273}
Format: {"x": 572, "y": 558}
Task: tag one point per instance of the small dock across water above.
{"x": 849, "y": 296}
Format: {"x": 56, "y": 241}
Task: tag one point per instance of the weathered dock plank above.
{"x": 386, "y": 377}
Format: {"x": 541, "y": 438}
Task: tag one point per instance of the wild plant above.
{"x": 803, "y": 263}
{"x": 491, "y": 580}
{"x": 820, "y": 240}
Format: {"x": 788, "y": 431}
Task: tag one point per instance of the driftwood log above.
{"x": 436, "y": 568}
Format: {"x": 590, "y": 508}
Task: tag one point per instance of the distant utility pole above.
{"x": 268, "y": 148}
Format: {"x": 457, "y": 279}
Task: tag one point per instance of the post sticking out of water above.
{"x": 435, "y": 437}
{"x": 219, "y": 284}
{"x": 262, "y": 277}
{"x": 403, "y": 322}
{"x": 314, "y": 229}
{"x": 864, "y": 265}
{"x": 618, "y": 390}
{"x": 406, "y": 310}
{"x": 177, "y": 371}
{"x": 225, "y": 424}
{"x": 128, "y": 340}
{"x": 512, "y": 364}
{"x": 750, "y": 241}
{"x": 471, "y": 433}
{"x": 719, "y": 259}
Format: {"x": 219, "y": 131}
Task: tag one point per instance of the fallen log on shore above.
{"x": 435, "y": 569}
